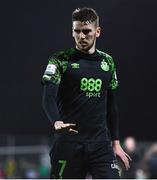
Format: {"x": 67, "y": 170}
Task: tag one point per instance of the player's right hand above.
{"x": 66, "y": 127}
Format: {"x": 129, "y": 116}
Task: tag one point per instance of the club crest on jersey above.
{"x": 75, "y": 65}
{"x": 104, "y": 66}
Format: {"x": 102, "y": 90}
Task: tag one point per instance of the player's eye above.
{"x": 86, "y": 31}
{"x": 77, "y": 31}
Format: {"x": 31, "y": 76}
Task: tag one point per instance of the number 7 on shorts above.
{"x": 63, "y": 164}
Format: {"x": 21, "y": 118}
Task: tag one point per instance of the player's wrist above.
{"x": 115, "y": 142}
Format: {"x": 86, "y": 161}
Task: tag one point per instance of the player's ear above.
{"x": 72, "y": 32}
{"x": 98, "y": 31}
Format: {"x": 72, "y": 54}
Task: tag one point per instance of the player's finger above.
{"x": 63, "y": 125}
{"x": 68, "y": 125}
{"x": 126, "y": 163}
{"x": 127, "y": 155}
{"x": 73, "y": 130}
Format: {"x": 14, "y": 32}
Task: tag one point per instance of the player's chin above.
{"x": 85, "y": 48}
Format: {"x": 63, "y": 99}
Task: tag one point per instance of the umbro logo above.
{"x": 75, "y": 65}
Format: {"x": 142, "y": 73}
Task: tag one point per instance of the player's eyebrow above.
{"x": 85, "y": 31}
{"x": 77, "y": 30}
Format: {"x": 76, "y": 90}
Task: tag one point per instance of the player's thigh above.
{"x": 67, "y": 161}
{"x": 103, "y": 164}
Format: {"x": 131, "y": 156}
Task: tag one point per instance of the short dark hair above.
{"x": 85, "y": 15}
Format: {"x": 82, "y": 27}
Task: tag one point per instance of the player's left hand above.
{"x": 124, "y": 157}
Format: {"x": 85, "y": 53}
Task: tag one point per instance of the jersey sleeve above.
{"x": 52, "y": 73}
{"x": 112, "y": 109}
{"x": 51, "y": 80}
{"x": 113, "y": 85}
{"x": 49, "y": 102}
{"x": 112, "y": 115}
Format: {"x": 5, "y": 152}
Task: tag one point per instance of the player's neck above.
{"x": 90, "y": 51}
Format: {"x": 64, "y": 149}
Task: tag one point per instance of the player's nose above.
{"x": 82, "y": 35}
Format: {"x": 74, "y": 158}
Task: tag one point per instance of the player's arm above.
{"x": 112, "y": 115}
{"x": 49, "y": 102}
{"x": 113, "y": 125}
{"x": 51, "y": 80}
{"x": 50, "y": 107}
{"x": 112, "y": 119}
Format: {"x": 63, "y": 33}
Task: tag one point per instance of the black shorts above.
{"x": 72, "y": 160}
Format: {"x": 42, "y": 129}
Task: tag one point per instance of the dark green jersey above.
{"x": 82, "y": 82}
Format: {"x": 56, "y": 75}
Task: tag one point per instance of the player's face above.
{"x": 85, "y": 35}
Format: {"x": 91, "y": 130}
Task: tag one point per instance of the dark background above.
{"x": 32, "y": 30}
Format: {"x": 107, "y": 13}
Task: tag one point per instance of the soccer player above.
{"x": 79, "y": 100}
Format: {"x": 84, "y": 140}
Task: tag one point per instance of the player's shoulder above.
{"x": 108, "y": 58}
{"x": 63, "y": 55}
{"x": 104, "y": 54}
